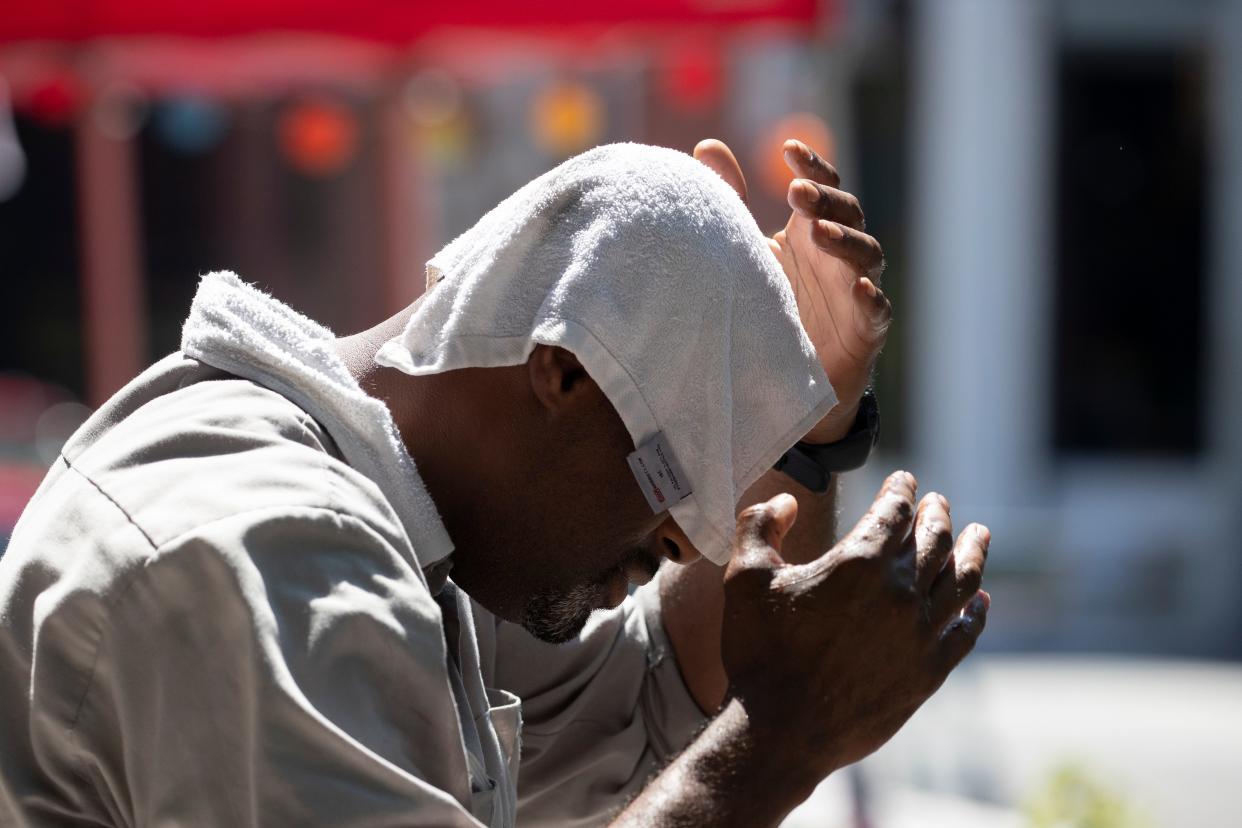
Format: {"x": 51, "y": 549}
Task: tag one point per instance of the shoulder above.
{"x": 213, "y": 487}
{"x": 213, "y": 449}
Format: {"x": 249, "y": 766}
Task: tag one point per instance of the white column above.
{"x": 1224, "y": 320}
{"x": 1224, "y": 288}
{"x": 980, "y": 275}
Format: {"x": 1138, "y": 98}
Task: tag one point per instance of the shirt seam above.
{"x": 90, "y": 677}
{"x": 130, "y": 577}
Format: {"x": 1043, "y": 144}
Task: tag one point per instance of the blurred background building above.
{"x": 1058, "y": 187}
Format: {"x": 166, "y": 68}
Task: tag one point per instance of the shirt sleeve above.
{"x": 274, "y": 668}
{"x": 602, "y": 714}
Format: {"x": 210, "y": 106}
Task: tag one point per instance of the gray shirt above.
{"x": 209, "y": 617}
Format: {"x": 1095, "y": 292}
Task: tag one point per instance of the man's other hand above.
{"x": 830, "y": 658}
{"x": 834, "y": 268}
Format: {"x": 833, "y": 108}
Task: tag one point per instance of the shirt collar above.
{"x": 240, "y": 329}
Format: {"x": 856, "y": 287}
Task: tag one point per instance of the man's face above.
{"x": 567, "y": 531}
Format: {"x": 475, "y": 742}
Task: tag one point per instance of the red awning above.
{"x": 387, "y": 21}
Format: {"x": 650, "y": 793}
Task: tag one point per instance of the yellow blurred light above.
{"x": 444, "y": 144}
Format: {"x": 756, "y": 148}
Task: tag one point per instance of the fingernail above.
{"x": 831, "y": 230}
{"x": 809, "y": 190}
{"x": 900, "y": 478}
{"x": 783, "y": 499}
{"x": 980, "y": 603}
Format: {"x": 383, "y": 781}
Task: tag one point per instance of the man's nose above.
{"x": 673, "y": 543}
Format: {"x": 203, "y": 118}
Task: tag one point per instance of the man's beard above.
{"x": 556, "y": 616}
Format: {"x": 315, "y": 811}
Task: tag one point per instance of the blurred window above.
{"x": 180, "y": 182}
{"x": 40, "y": 299}
{"x": 289, "y": 202}
{"x": 1129, "y": 338}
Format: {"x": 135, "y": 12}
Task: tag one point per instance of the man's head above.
{"x": 625, "y": 298}
{"x": 527, "y": 464}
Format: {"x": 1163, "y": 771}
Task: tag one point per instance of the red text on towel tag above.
{"x": 658, "y": 473}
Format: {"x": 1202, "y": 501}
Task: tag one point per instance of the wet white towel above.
{"x": 646, "y": 266}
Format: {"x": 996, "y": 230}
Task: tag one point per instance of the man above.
{"x": 230, "y": 601}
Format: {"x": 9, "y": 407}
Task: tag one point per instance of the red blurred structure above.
{"x": 387, "y": 21}
{"x": 82, "y": 64}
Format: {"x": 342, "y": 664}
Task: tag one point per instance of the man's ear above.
{"x": 558, "y": 379}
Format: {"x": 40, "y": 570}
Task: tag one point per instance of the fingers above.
{"x": 761, "y": 529}
{"x": 855, "y": 247}
{"x": 955, "y": 586}
{"x": 837, "y": 220}
{"x": 806, "y": 163}
{"x": 717, "y": 155}
{"x": 879, "y": 309}
{"x": 933, "y": 539}
{"x": 817, "y": 201}
{"x": 886, "y": 525}
{"x": 959, "y": 637}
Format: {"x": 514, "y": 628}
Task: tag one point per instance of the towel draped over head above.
{"x": 648, "y": 267}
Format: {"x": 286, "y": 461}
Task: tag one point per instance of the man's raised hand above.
{"x": 834, "y": 267}
{"x": 830, "y": 658}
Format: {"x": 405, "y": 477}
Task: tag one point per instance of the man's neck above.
{"x": 417, "y": 404}
{"x": 358, "y": 350}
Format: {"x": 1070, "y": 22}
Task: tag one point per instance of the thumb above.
{"x": 761, "y": 530}
{"x": 716, "y": 154}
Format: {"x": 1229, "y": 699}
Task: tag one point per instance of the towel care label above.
{"x": 658, "y": 473}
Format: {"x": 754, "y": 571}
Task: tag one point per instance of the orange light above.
{"x": 566, "y": 117}
{"x": 808, "y": 128}
{"x": 318, "y": 137}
